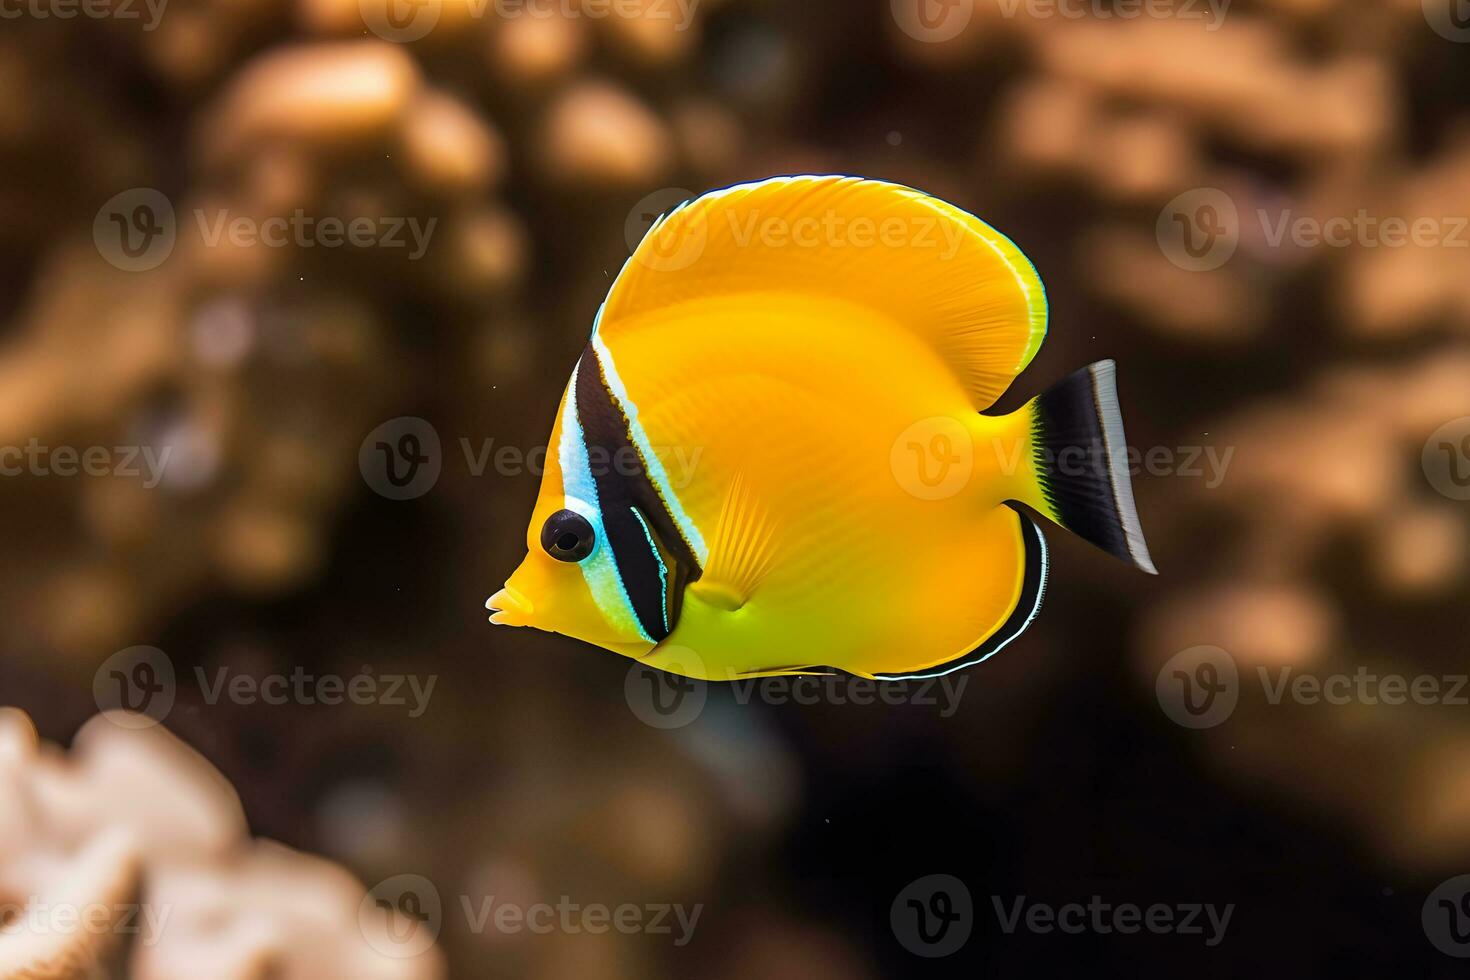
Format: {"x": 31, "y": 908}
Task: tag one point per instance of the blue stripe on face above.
{"x": 663, "y": 569}
{"x": 653, "y": 466}
{"x": 599, "y": 570}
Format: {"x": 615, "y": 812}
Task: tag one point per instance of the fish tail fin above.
{"x": 1078, "y": 473}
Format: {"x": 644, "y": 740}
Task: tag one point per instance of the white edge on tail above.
{"x": 1105, "y": 395}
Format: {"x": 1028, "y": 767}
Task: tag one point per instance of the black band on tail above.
{"x": 1082, "y": 463}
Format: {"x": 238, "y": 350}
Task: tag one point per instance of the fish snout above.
{"x": 510, "y": 607}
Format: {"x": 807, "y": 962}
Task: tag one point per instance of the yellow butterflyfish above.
{"x": 816, "y": 353}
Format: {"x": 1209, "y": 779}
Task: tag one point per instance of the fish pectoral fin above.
{"x": 723, "y": 597}
{"x": 742, "y": 551}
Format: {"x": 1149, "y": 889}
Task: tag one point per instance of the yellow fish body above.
{"x": 771, "y": 456}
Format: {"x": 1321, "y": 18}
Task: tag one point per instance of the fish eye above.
{"x": 568, "y": 536}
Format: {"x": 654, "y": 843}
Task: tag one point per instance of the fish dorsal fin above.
{"x": 742, "y": 550}
{"x": 956, "y": 282}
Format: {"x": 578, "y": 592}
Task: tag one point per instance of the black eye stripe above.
{"x": 641, "y": 569}
{"x": 623, "y": 493}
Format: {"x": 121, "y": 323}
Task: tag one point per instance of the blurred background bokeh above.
{"x": 529, "y": 144}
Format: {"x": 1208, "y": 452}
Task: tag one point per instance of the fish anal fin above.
{"x": 1022, "y": 608}
{"x": 807, "y": 671}
{"x": 742, "y": 551}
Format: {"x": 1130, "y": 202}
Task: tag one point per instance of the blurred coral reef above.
{"x": 129, "y": 856}
{"x": 528, "y": 141}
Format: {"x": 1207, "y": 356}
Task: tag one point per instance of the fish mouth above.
{"x": 509, "y": 607}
